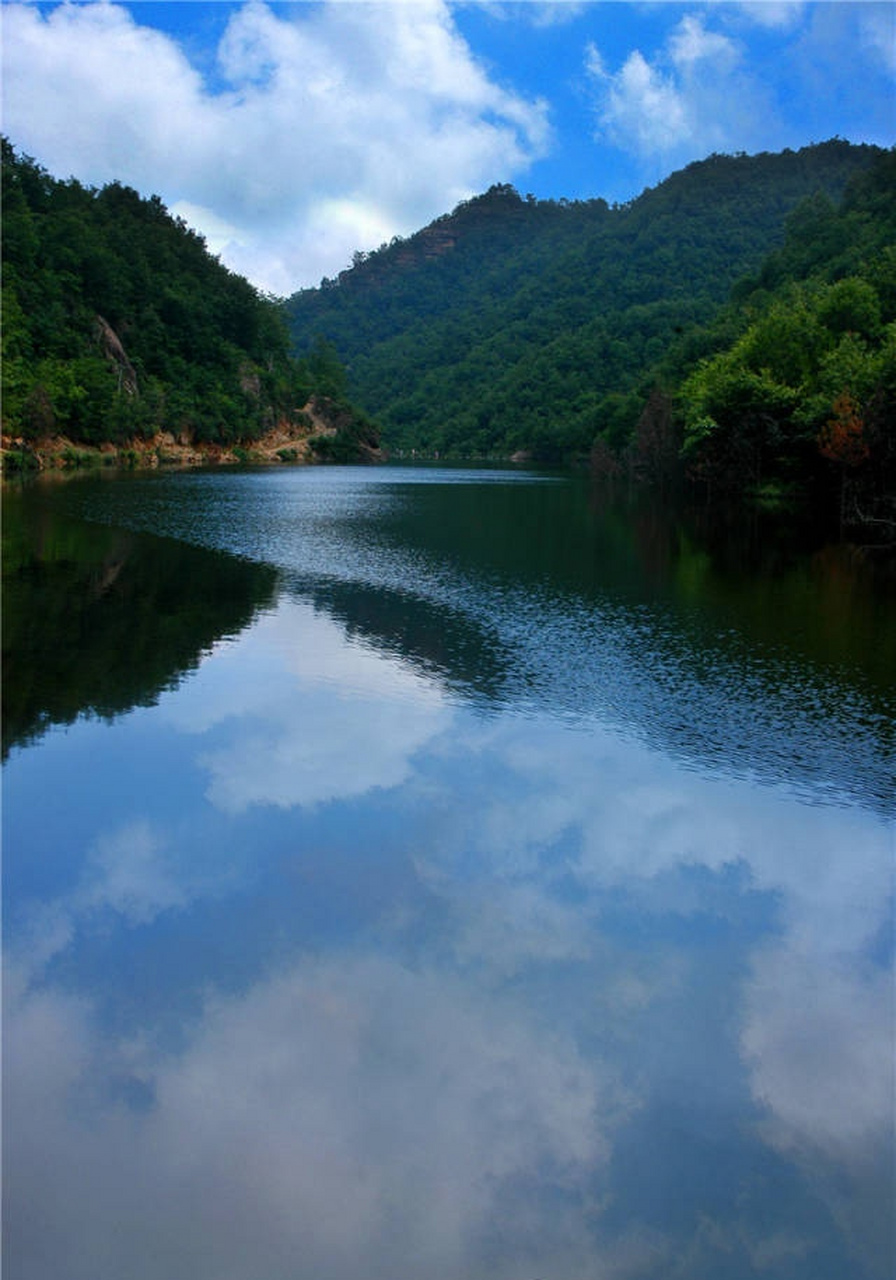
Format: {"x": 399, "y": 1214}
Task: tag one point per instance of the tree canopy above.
{"x": 118, "y": 323}
{"x": 519, "y": 324}
{"x": 805, "y": 387}
{"x": 735, "y": 324}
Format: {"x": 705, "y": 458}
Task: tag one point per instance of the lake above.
{"x": 442, "y": 874}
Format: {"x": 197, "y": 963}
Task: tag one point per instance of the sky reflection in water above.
{"x": 320, "y": 967}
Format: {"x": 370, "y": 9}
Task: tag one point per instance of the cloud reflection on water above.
{"x": 345, "y": 1114}
{"x": 592, "y": 938}
{"x": 325, "y": 717}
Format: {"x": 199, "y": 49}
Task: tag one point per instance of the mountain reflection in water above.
{"x": 474, "y": 895}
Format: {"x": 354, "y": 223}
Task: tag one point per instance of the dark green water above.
{"x": 441, "y": 875}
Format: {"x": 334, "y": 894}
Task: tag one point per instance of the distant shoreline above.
{"x": 290, "y": 442}
{"x": 59, "y": 453}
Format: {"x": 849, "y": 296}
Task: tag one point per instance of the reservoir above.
{"x": 427, "y": 873}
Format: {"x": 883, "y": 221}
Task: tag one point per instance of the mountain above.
{"x": 121, "y": 329}
{"x": 514, "y": 324}
{"x": 800, "y": 390}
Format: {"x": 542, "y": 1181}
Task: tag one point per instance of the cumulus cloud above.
{"x": 818, "y": 1033}
{"x": 642, "y": 105}
{"x": 128, "y": 871}
{"x": 321, "y": 719}
{"x": 457, "y": 1113}
{"x": 878, "y": 34}
{"x": 539, "y": 13}
{"x": 551, "y": 13}
{"x": 695, "y": 95}
{"x": 323, "y": 129}
{"x": 818, "y": 1015}
{"x": 819, "y": 1037}
{"x": 346, "y": 1117}
{"x": 628, "y": 815}
{"x": 777, "y": 14}
{"x": 296, "y": 714}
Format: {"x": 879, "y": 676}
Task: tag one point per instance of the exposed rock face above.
{"x": 250, "y": 382}
{"x": 324, "y": 416}
{"x": 288, "y": 441}
{"x": 112, "y": 349}
{"x": 429, "y": 244}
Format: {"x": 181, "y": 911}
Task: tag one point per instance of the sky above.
{"x": 293, "y": 135}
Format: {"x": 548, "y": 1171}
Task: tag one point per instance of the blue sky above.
{"x": 293, "y": 134}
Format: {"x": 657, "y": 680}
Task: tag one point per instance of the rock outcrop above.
{"x": 113, "y": 350}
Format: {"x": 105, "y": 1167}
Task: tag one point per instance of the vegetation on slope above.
{"x": 119, "y": 324}
{"x": 516, "y": 324}
{"x": 803, "y": 387}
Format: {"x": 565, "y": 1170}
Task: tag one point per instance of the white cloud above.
{"x": 220, "y": 236}
{"x": 878, "y": 34}
{"x": 551, "y": 13}
{"x": 296, "y": 714}
{"x": 694, "y": 96}
{"x": 691, "y": 43}
{"x": 322, "y": 718}
{"x": 128, "y": 871}
{"x": 775, "y": 14}
{"x": 319, "y": 750}
{"x": 376, "y": 1117}
{"x": 338, "y": 125}
{"x": 352, "y": 1117}
{"x": 817, "y": 1021}
{"x": 539, "y": 14}
{"x": 818, "y": 1036}
{"x": 90, "y": 90}
{"x": 644, "y": 107}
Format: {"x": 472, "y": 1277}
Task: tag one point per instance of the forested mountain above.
{"x": 119, "y": 324}
{"x": 517, "y": 324}
{"x": 734, "y": 324}
{"x": 802, "y": 387}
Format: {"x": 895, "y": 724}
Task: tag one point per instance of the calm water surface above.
{"x": 441, "y": 875}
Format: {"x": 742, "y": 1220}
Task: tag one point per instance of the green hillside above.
{"x": 802, "y": 388}
{"x": 539, "y": 326}
{"x": 119, "y": 324}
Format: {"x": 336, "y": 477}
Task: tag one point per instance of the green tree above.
{"x": 183, "y": 344}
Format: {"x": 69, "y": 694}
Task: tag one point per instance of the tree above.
{"x": 184, "y": 343}
{"x": 842, "y": 439}
{"x": 657, "y": 441}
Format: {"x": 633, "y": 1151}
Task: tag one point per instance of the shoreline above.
{"x": 287, "y": 443}
{"x": 59, "y": 453}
